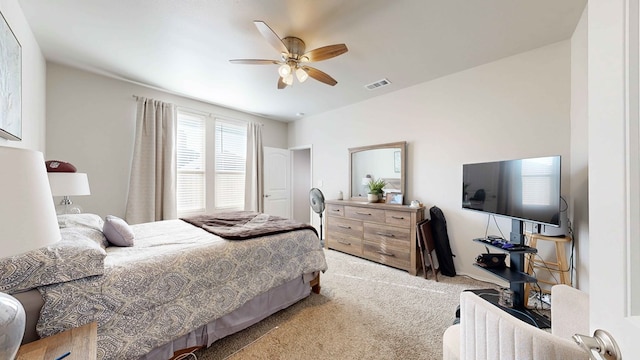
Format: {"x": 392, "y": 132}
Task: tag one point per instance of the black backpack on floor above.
{"x": 441, "y": 240}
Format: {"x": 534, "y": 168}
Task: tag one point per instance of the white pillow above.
{"x": 117, "y": 231}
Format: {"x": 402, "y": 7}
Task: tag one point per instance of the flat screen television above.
{"x": 523, "y": 189}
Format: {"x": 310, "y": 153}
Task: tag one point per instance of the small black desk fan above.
{"x": 316, "y": 199}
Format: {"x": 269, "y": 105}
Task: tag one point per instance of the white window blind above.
{"x": 206, "y": 185}
{"x": 231, "y": 155}
{"x": 191, "y": 184}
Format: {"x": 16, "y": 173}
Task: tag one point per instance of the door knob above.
{"x": 600, "y": 346}
{"x": 267, "y": 195}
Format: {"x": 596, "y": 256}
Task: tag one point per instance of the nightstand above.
{"x": 80, "y": 342}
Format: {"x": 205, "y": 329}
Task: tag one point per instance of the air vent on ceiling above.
{"x": 378, "y": 84}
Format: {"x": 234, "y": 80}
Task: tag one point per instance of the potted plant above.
{"x": 375, "y": 189}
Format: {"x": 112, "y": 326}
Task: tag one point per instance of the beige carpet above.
{"x": 364, "y": 311}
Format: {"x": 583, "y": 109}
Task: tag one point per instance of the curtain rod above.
{"x": 180, "y": 106}
{"x": 191, "y": 109}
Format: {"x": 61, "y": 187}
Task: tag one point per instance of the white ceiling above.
{"x": 184, "y": 46}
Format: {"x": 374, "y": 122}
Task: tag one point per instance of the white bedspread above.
{"x": 176, "y": 278}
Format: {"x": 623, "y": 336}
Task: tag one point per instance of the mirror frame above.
{"x": 403, "y": 150}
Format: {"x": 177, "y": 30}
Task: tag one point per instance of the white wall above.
{"x": 91, "y": 124}
{"x": 33, "y": 80}
{"x": 579, "y": 196}
{"x": 511, "y": 108}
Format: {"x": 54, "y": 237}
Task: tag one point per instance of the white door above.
{"x": 614, "y": 161}
{"x": 277, "y": 188}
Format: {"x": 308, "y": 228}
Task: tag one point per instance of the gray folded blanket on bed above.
{"x": 242, "y": 225}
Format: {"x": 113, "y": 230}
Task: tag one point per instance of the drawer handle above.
{"x": 385, "y": 234}
{"x": 344, "y": 226}
{"x": 361, "y": 213}
{"x": 384, "y": 253}
{"x": 344, "y": 242}
{"x": 398, "y": 217}
{"x": 336, "y": 210}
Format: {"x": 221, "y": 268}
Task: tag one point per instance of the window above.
{"x": 190, "y": 159}
{"x": 231, "y": 156}
{"x": 211, "y": 157}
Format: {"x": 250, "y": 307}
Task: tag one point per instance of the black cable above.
{"x": 573, "y": 245}
{"x": 496, "y": 222}
{"x": 528, "y": 316}
{"x": 550, "y": 270}
{"x": 533, "y": 273}
{"x": 571, "y": 236}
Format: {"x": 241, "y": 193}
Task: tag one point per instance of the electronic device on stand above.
{"x": 524, "y": 190}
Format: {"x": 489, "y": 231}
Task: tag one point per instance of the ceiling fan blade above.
{"x": 325, "y": 52}
{"x": 271, "y": 36}
{"x": 319, "y": 75}
{"x": 281, "y": 83}
{"x": 255, "y": 61}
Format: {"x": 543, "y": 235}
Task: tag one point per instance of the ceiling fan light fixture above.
{"x": 301, "y": 75}
{"x": 288, "y": 79}
{"x": 293, "y": 54}
{"x": 284, "y": 70}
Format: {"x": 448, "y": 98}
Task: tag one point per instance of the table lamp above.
{"x": 27, "y": 221}
{"x": 67, "y": 184}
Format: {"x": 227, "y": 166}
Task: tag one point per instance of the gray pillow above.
{"x": 117, "y": 231}
{"x": 87, "y": 224}
{"x": 85, "y": 220}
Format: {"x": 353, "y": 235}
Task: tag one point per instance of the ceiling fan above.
{"x": 294, "y": 58}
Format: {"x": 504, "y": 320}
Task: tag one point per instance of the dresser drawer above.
{"x": 399, "y": 218}
{"x": 345, "y": 243}
{"x": 347, "y": 227}
{"x": 362, "y": 213}
{"x": 335, "y": 210}
{"x": 400, "y": 258}
{"x": 385, "y": 235}
{"x": 344, "y": 235}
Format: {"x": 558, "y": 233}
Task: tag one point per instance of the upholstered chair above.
{"x": 485, "y": 332}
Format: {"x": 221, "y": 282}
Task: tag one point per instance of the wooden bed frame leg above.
{"x": 315, "y": 284}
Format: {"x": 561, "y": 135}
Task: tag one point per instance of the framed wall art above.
{"x": 10, "y": 83}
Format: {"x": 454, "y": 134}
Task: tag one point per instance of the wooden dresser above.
{"x": 379, "y": 232}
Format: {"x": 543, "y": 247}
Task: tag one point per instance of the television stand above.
{"x": 521, "y": 313}
{"x": 516, "y": 276}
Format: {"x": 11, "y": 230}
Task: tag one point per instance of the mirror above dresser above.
{"x": 382, "y": 161}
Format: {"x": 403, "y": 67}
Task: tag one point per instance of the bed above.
{"x": 178, "y": 286}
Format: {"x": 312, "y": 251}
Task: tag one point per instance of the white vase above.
{"x": 12, "y": 322}
{"x": 372, "y": 198}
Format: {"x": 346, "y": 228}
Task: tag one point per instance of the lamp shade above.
{"x": 68, "y": 184}
{"x": 27, "y": 214}
{"x": 284, "y": 70}
{"x": 301, "y": 75}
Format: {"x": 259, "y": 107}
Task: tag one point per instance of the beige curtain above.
{"x": 254, "y": 183}
{"x": 152, "y": 185}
